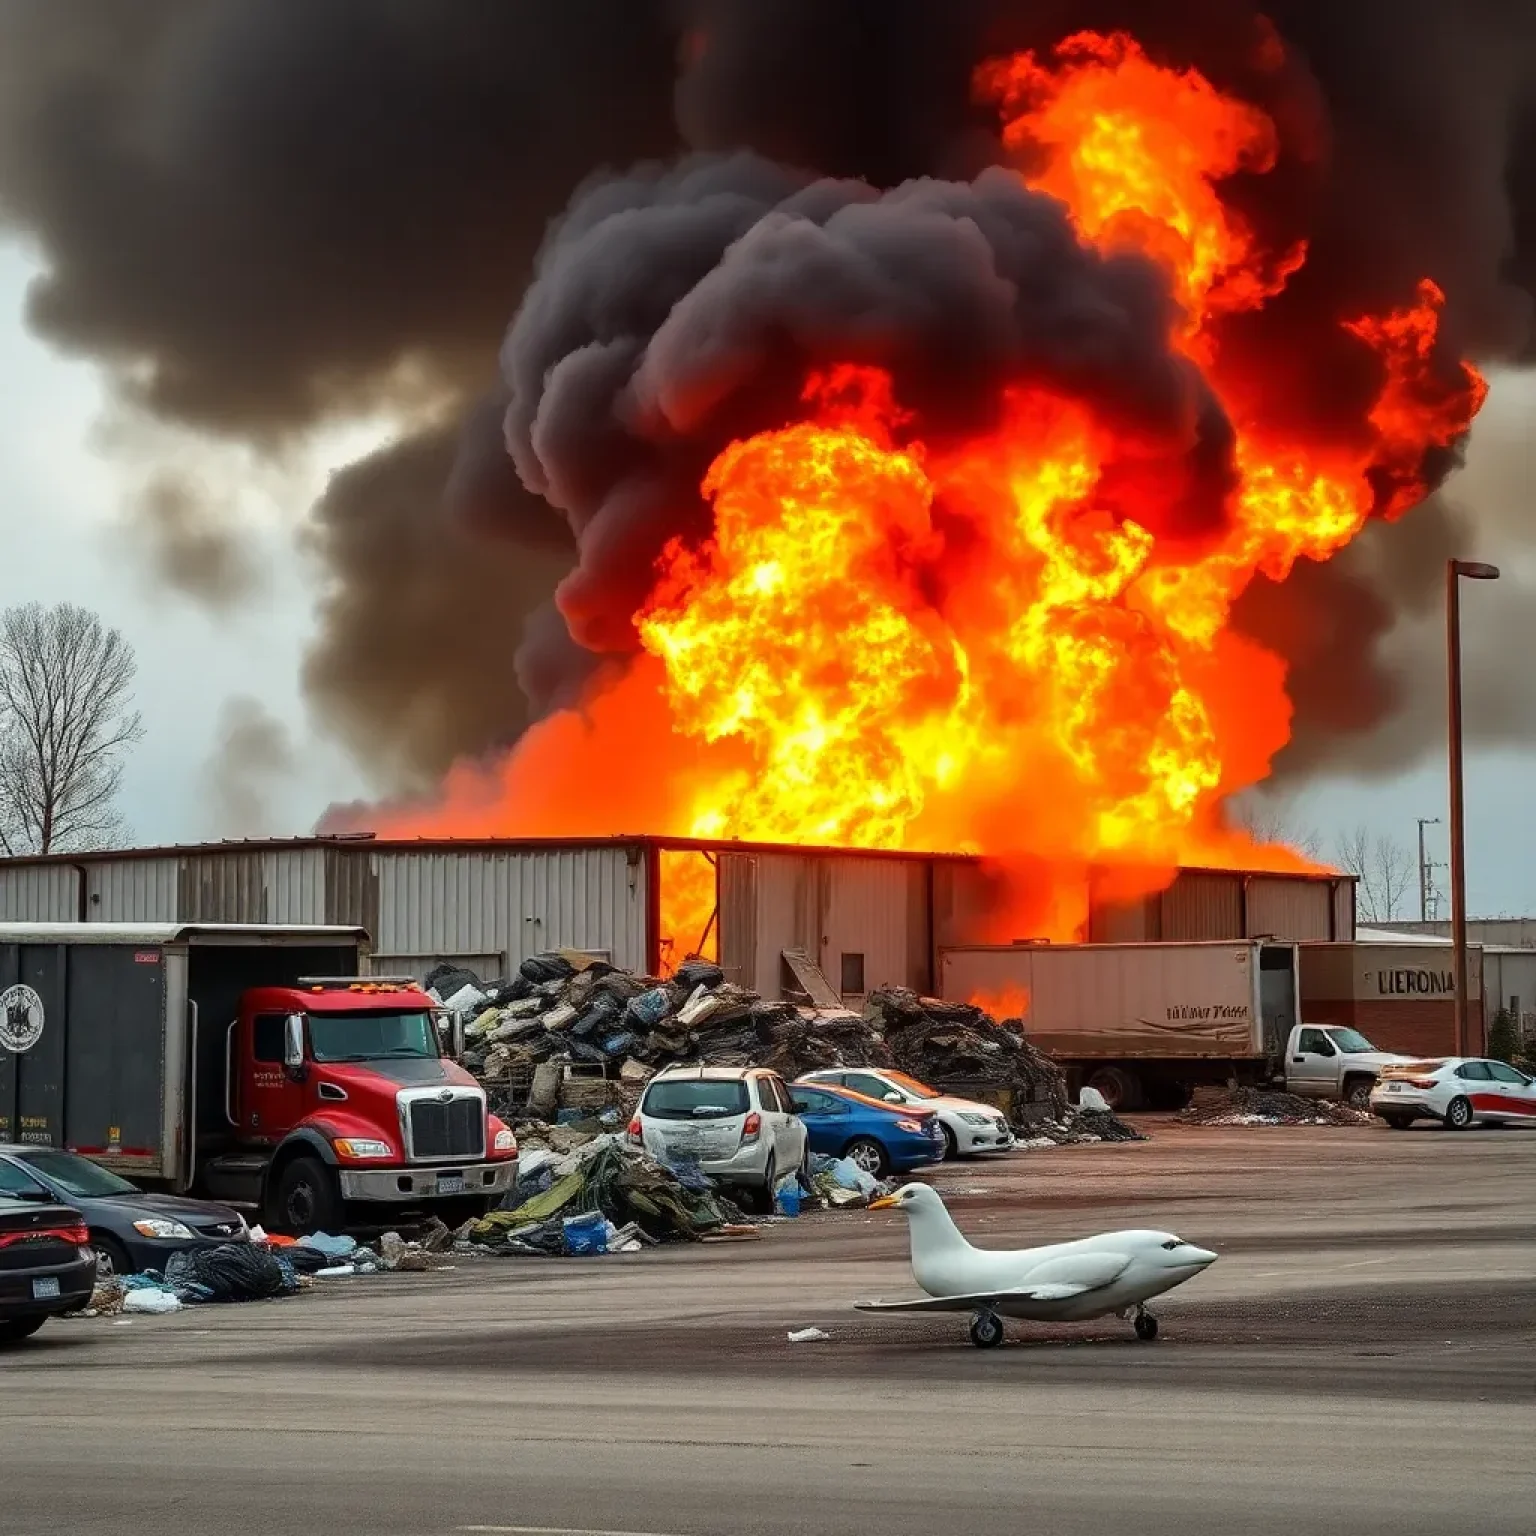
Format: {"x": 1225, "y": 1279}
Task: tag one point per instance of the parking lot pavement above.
{"x": 1361, "y": 1359}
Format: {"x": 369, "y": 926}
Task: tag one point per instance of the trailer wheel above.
{"x": 307, "y": 1198}
{"x": 1121, "y": 1089}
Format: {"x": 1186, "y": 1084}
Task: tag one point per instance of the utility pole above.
{"x": 1424, "y": 821}
{"x": 1454, "y": 571}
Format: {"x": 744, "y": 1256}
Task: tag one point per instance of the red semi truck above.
{"x": 248, "y": 1063}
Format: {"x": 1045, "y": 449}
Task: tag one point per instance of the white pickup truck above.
{"x": 1329, "y": 1061}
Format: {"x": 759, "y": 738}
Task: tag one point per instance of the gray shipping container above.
{"x": 112, "y": 1035}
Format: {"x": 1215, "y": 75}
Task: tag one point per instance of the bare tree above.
{"x": 1384, "y": 868}
{"x": 1267, "y": 820}
{"x": 66, "y": 719}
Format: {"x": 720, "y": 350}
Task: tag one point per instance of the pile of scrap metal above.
{"x": 570, "y": 1033}
{"x": 606, "y": 1196}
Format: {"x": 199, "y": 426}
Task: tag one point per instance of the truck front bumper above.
{"x": 396, "y": 1184}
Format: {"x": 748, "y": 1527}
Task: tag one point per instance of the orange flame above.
{"x": 1010, "y": 1001}
{"x": 885, "y": 644}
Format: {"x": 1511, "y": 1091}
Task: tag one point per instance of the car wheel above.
{"x": 111, "y": 1257}
{"x": 1398, "y": 1122}
{"x": 1458, "y": 1114}
{"x": 951, "y": 1146}
{"x": 868, "y": 1155}
{"x": 19, "y": 1328}
{"x": 306, "y": 1199}
{"x": 1357, "y": 1092}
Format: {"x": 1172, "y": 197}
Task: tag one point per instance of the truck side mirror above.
{"x": 293, "y": 1041}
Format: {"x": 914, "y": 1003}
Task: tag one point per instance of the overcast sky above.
{"x": 66, "y": 480}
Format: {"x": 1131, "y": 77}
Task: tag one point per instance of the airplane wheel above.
{"x": 986, "y": 1330}
{"x": 1146, "y": 1327}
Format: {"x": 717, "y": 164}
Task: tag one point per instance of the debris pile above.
{"x": 604, "y": 1196}
{"x": 573, "y": 1035}
{"x": 1266, "y": 1106}
{"x": 957, "y": 1045}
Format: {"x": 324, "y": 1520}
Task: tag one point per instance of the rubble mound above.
{"x": 1266, "y": 1106}
{"x": 959, "y": 1045}
{"x": 572, "y": 1035}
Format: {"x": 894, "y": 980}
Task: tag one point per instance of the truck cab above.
{"x": 1331, "y": 1061}
{"x": 342, "y": 1109}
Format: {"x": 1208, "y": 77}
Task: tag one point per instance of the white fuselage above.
{"x": 1137, "y": 1263}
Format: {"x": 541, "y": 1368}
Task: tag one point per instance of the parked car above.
{"x": 1459, "y": 1091}
{"x": 47, "y": 1265}
{"x": 130, "y": 1230}
{"x": 969, "y": 1127}
{"x": 737, "y": 1123}
{"x": 877, "y": 1137}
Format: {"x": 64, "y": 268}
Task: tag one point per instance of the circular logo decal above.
{"x": 21, "y": 1019}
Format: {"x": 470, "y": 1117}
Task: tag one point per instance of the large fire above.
{"x": 1008, "y": 644}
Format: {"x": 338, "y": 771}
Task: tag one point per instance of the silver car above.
{"x": 737, "y": 1123}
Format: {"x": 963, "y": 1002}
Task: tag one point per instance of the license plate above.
{"x": 450, "y": 1183}
{"x": 1394, "y": 1087}
{"x": 46, "y": 1289}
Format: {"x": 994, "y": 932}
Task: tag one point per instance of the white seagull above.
{"x": 1115, "y": 1272}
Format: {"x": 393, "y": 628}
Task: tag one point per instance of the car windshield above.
{"x": 691, "y": 1099}
{"x": 75, "y": 1176}
{"x": 916, "y": 1089}
{"x": 1350, "y": 1040}
{"x": 372, "y": 1036}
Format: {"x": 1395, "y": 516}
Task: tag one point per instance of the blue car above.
{"x": 880, "y": 1138}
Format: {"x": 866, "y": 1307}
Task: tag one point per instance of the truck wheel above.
{"x": 307, "y": 1199}
{"x": 1121, "y": 1089}
{"x": 1358, "y": 1090}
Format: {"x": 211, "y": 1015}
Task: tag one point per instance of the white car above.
{"x": 737, "y": 1123}
{"x": 1457, "y": 1090}
{"x": 969, "y": 1127}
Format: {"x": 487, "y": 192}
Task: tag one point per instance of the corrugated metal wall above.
{"x": 1292, "y": 909}
{"x": 439, "y": 903}
{"x": 132, "y": 891}
{"x": 38, "y": 893}
{"x": 1509, "y": 981}
{"x": 1199, "y": 905}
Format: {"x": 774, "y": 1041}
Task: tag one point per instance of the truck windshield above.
{"x": 1350, "y": 1040}
{"x": 371, "y": 1036}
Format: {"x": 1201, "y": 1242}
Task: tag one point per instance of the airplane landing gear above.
{"x": 1146, "y": 1325}
{"x": 986, "y": 1330}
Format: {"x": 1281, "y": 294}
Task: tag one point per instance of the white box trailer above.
{"x": 1139, "y": 1022}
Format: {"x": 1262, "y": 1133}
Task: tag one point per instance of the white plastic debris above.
{"x": 258, "y": 1233}
{"x": 807, "y": 1335}
{"x": 156, "y": 1303}
{"x": 336, "y": 1272}
{"x": 1094, "y": 1101}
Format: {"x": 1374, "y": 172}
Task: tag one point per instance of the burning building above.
{"x": 919, "y": 517}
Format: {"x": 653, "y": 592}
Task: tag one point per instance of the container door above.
{"x": 1277, "y": 997}
{"x": 32, "y": 1036}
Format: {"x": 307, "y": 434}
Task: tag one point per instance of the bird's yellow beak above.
{"x": 882, "y": 1202}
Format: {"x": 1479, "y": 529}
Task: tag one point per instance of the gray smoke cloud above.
{"x": 252, "y": 756}
{"x": 190, "y": 544}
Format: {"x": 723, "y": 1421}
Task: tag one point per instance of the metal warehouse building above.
{"x": 868, "y": 918}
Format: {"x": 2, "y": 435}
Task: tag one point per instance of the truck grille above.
{"x": 454, "y": 1129}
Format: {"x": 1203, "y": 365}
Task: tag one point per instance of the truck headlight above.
{"x": 159, "y": 1226}
{"x": 355, "y": 1146}
{"x": 505, "y": 1141}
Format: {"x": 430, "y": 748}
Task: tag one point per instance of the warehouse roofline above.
{"x": 640, "y": 841}
{"x": 174, "y": 933}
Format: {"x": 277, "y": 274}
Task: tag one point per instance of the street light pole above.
{"x": 1477, "y": 571}
{"x": 1424, "y": 821}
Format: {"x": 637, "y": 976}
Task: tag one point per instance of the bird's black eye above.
{"x": 1171, "y": 1244}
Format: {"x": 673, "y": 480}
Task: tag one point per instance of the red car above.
{"x": 47, "y": 1265}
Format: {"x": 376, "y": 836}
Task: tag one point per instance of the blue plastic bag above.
{"x": 586, "y": 1234}
{"x": 786, "y": 1196}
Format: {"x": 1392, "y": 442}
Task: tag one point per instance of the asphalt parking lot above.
{"x": 1361, "y": 1359}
